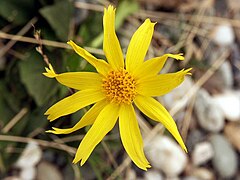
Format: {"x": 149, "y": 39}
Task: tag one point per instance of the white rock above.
{"x": 28, "y": 173}
{"x": 30, "y": 156}
{"x": 223, "y": 35}
{"x": 152, "y": 174}
{"x": 28, "y": 160}
{"x": 166, "y": 155}
{"x": 131, "y": 174}
{"x": 202, "y": 153}
{"x": 209, "y": 114}
{"x": 46, "y": 170}
{"x": 203, "y": 174}
{"x": 226, "y": 74}
{"x": 229, "y": 102}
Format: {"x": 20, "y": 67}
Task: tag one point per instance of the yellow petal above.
{"x": 80, "y": 80}
{"x": 138, "y": 45}
{"x": 50, "y": 72}
{"x": 103, "y": 124}
{"x": 154, "y": 110}
{"x": 88, "y": 119}
{"x": 101, "y": 66}
{"x": 131, "y": 136}
{"x": 111, "y": 46}
{"x": 74, "y": 103}
{"x": 154, "y": 66}
{"x": 160, "y": 84}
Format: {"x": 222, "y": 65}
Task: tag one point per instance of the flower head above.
{"x": 113, "y": 90}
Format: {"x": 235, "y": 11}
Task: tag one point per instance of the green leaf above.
{"x": 125, "y": 9}
{"x": 17, "y": 12}
{"x": 91, "y": 27}
{"x": 58, "y": 16}
{"x": 72, "y": 61}
{"x": 38, "y": 86}
{"x": 6, "y": 113}
{"x": 36, "y": 119}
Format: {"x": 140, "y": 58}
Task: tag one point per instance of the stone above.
{"x": 229, "y": 102}
{"x": 209, "y": 114}
{"x": 232, "y": 132}
{"x": 222, "y": 79}
{"x": 30, "y": 157}
{"x": 203, "y": 174}
{"x": 46, "y": 170}
{"x": 152, "y": 174}
{"x": 195, "y": 136}
{"x": 226, "y": 74}
{"x": 131, "y": 174}
{"x": 163, "y": 153}
{"x": 225, "y": 160}
{"x": 202, "y": 153}
{"x": 223, "y": 35}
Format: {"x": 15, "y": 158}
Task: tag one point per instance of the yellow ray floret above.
{"x": 154, "y": 66}
{"x": 131, "y": 136}
{"x": 87, "y": 119}
{"x": 161, "y": 84}
{"x": 103, "y": 124}
{"x": 111, "y": 45}
{"x": 154, "y": 110}
{"x": 138, "y": 45}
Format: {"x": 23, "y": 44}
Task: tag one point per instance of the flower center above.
{"x": 119, "y": 86}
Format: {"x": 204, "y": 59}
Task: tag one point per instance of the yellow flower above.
{"x": 114, "y": 89}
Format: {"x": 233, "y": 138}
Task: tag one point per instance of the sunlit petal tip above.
{"x": 176, "y": 56}
{"x": 148, "y": 166}
{"x": 75, "y": 161}
{"x": 82, "y": 162}
{"x": 151, "y": 24}
{"x": 50, "y": 131}
{"x": 70, "y": 42}
{"x": 54, "y": 131}
{"x": 49, "y": 119}
{"x": 110, "y": 8}
{"x": 187, "y": 71}
{"x": 50, "y": 72}
{"x": 46, "y": 113}
{"x": 185, "y": 149}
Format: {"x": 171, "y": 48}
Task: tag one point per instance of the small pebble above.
{"x": 152, "y": 175}
{"x": 225, "y": 160}
{"x": 203, "y": 174}
{"x": 226, "y": 75}
{"x": 46, "y": 170}
{"x": 131, "y": 174}
{"x": 223, "y": 35}
{"x": 163, "y": 153}
{"x": 209, "y": 115}
{"x": 232, "y": 132}
{"x": 195, "y": 136}
{"x": 202, "y": 153}
{"x": 31, "y": 155}
{"x": 229, "y": 102}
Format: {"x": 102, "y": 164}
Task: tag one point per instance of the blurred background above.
{"x": 206, "y": 106}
